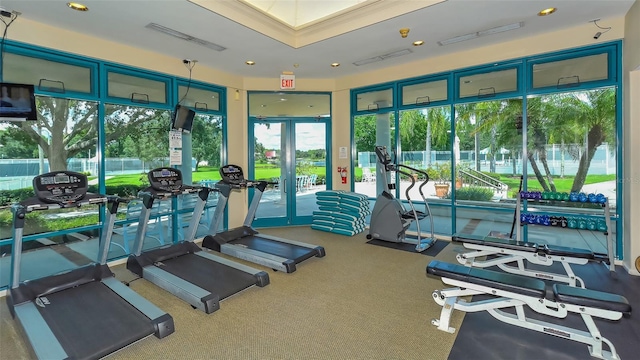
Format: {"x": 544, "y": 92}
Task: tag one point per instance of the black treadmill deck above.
{"x": 212, "y": 276}
{"x": 285, "y": 250}
{"x": 91, "y": 321}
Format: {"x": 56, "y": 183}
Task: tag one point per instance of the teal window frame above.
{"x": 524, "y": 67}
{"x": 99, "y": 71}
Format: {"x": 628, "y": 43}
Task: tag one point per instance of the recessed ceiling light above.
{"x": 547, "y": 11}
{"x": 77, "y": 6}
{"x": 335, "y": 64}
{"x": 418, "y": 43}
{"x": 250, "y": 62}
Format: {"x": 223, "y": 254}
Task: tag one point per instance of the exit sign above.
{"x": 287, "y": 82}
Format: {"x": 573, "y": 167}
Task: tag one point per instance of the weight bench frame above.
{"x": 531, "y": 294}
{"x": 511, "y": 251}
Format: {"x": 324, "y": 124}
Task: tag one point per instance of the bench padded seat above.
{"x": 567, "y": 252}
{"x": 591, "y": 298}
{"x": 497, "y": 242}
{"x": 494, "y": 279}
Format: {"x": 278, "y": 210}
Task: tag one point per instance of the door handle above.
{"x": 284, "y": 185}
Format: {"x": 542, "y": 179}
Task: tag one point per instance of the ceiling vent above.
{"x": 183, "y": 36}
{"x": 382, "y": 57}
{"x": 481, "y": 33}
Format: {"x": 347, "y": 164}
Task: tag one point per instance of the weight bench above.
{"x": 502, "y": 252}
{"x": 515, "y": 291}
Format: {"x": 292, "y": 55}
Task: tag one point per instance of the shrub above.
{"x": 475, "y": 193}
{"x": 8, "y": 197}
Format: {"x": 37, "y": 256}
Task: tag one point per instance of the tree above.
{"x": 260, "y": 152}
{"x": 364, "y": 132}
{"x": 68, "y": 127}
{"x": 16, "y": 144}
{"x": 596, "y": 121}
{"x": 206, "y": 135}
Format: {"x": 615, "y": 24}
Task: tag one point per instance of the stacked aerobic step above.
{"x": 340, "y": 212}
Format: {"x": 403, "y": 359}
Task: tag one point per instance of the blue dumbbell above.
{"x": 573, "y": 196}
{"x": 582, "y": 197}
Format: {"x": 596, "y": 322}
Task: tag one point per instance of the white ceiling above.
{"x": 125, "y": 21}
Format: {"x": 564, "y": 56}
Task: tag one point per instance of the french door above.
{"x": 293, "y": 154}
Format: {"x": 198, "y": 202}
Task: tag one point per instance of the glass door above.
{"x": 292, "y": 155}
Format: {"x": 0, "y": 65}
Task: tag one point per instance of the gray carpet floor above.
{"x": 358, "y": 302}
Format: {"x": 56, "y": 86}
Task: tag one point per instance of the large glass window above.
{"x": 46, "y": 74}
{"x": 64, "y": 137}
{"x": 369, "y": 131}
{"x": 571, "y": 149}
{"x": 425, "y": 140}
{"x": 487, "y": 151}
{"x": 572, "y": 142}
{"x": 137, "y": 140}
{"x": 207, "y": 143}
{"x": 563, "y": 142}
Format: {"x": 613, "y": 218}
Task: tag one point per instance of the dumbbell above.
{"x": 573, "y": 196}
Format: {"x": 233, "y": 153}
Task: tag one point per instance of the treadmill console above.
{"x": 60, "y": 187}
{"x": 165, "y": 179}
{"x": 232, "y": 174}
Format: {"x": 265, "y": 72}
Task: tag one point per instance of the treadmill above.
{"x": 84, "y": 313}
{"x": 198, "y": 277}
{"x": 246, "y": 243}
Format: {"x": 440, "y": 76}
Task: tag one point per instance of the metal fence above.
{"x": 18, "y": 173}
{"x": 559, "y": 160}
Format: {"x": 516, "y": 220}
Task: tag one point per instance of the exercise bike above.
{"x": 389, "y": 218}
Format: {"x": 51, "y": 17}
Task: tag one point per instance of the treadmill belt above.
{"x": 219, "y": 279}
{"x": 91, "y": 321}
{"x": 278, "y": 248}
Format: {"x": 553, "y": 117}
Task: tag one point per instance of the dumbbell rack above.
{"x": 575, "y": 204}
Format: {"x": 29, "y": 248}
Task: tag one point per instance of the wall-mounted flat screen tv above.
{"x": 182, "y": 118}
{"x": 17, "y": 102}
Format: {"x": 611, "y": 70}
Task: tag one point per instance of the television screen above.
{"x": 182, "y": 118}
{"x": 17, "y": 102}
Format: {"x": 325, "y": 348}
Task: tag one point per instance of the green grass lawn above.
{"x": 263, "y": 172}
{"x": 562, "y": 184}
